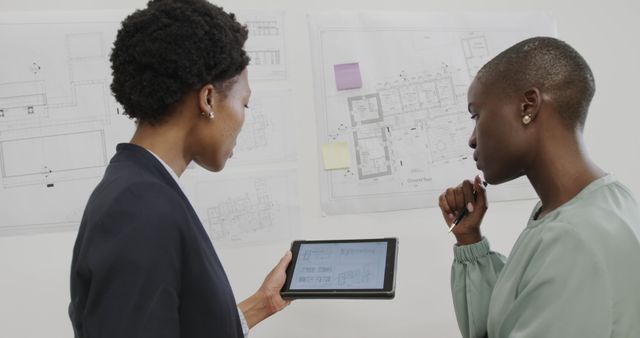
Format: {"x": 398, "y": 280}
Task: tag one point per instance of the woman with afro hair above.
{"x": 143, "y": 265}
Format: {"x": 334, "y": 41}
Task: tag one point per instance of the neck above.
{"x": 166, "y": 141}
{"x": 560, "y": 173}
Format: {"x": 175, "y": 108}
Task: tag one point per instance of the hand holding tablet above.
{"x": 354, "y": 268}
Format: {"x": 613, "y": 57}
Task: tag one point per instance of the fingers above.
{"x": 460, "y": 202}
{"x": 467, "y": 191}
{"x": 455, "y": 200}
{"x": 447, "y": 212}
{"x": 284, "y": 261}
{"x": 274, "y": 282}
{"x": 470, "y": 195}
{"x": 279, "y": 272}
{"x": 460, "y": 197}
{"x": 481, "y": 192}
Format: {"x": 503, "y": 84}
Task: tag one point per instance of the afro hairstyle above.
{"x": 170, "y": 48}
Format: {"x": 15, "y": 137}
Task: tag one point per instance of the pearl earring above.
{"x": 210, "y": 114}
{"x": 526, "y": 119}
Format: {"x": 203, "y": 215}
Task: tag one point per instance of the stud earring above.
{"x": 526, "y": 119}
{"x": 210, "y": 115}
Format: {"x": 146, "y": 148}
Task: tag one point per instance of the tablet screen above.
{"x": 350, "y": 265}
{"x": 343, "y": 268}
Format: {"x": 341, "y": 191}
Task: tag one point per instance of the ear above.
{"x": 206, "y": 98}
{"x": 531, "y": 103}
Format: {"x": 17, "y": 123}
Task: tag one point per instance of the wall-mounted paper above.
{"x": 405, "y": 116}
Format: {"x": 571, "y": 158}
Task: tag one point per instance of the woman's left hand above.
{"x": 267, "y": 300}
{"x": 273, "y": 283}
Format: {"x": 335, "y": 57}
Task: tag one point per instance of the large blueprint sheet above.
{"x": 58, "y": 120}
{"x": 59, "y": 126}
{"x": 394, "y": 87}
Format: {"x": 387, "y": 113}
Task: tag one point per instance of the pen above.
{"x": 464, "y": 211}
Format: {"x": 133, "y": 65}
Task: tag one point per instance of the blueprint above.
{"x": 267, "y": 133}
{"x": 265, "y": 45}
{"x": 247, "y": 208}
{"x": 59, "y": 126}
{"x": 393, "y": 86}
{"x": 58, "y": 120}
{"x": 340, "y": 266}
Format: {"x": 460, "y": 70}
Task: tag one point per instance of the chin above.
{"x": 499, "y": 179}
{"x": 490, "y": 177}
{"x": 217, "y": 168}
{"x": 214, "y": 167}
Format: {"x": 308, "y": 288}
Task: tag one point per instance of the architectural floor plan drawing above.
{"x": 266, "y": 135}
{"x": 241, "y": 215}
{"x": 247, "y": 208}
{"x": 58, "y": 121}
{"x": 59, "y": 124}
{"x": 394, "y": 87}
{"x": 265, "y": 45}
{"x": 328, "y": 266}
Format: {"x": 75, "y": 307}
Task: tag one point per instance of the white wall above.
{"x": 34, "y": 269}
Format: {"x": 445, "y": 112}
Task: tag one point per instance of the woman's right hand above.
{"x": 454, "y": 200}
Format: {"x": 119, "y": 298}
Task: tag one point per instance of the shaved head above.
{"x": 550, "y": 65}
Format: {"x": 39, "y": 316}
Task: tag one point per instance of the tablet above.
{"x": 353, "y": 268}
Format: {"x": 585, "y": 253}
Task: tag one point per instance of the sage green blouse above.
{"x": 573, "y": 273}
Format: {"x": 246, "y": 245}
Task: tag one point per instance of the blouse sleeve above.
{"x": 473, "y": 275}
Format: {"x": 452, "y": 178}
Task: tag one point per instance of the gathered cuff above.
{"x": 471, "y": 252}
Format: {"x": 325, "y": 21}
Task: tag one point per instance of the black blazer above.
{"x": 143, "y": 265}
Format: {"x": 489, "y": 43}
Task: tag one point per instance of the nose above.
{"x": 472, "y": 139}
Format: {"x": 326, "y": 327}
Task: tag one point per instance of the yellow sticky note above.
{"x": 336, "y": 155}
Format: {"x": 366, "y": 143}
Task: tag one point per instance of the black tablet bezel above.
{"x": 387, "y": 292}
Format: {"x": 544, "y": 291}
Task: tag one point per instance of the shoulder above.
{"x": 133, "y": 225}
{"x": 151, "y": 192}
{"x": 608, "y": 213}
{"x": 562, "y": 239}
{"x": 152, "y": 201}
{"x": 621, "y": 189}
{"x": 595, "y": 247}
{"x": 611, "y": 195}
{"x": 561, "y": 253}
{"x": 567, "y": 236}
{"x": 139, "y": 207}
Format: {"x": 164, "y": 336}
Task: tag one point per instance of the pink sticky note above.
{"x": 348, "y": 76}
